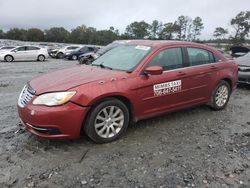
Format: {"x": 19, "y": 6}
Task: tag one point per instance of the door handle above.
{"x": 180, "y": 73}
{"x": 213, "y": 67}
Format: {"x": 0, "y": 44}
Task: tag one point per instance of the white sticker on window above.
{"x": 167, "y": 88}
{"x": 142, "y": 47}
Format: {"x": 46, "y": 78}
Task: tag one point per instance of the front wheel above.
{"x": 107, "y": 121}
{"x": 8, "y": 58}
{"x": 221, "y": 95}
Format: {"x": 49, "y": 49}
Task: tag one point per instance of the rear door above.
{"x": 201, "y": 71}
{"x": 32, "y": 52}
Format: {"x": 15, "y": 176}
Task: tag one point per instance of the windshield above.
{"x": 124, "y": 58}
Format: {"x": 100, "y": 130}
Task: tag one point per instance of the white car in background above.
{"x": 7, "y": 47}
{"x": 24, "y": 53}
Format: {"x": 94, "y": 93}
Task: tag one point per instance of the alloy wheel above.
{"x": 222, "y": 95}
{"x": 74, "y": 57}
{"x": 41, "y": 58}
{"x": 109, "y": 121}
{"x": 8, "y": 58}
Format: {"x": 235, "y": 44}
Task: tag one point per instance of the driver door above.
{"x": 20, "y": 53}
{"x": 168, "y": 91}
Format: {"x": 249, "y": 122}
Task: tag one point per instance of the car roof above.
{"x": 159, "y": 43}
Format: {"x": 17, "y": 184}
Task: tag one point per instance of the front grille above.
{"x": 25, "y": 96}
{"x": 244, "y": 80}
{"x": 244, "y": 69}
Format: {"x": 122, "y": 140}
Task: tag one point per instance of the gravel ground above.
{"x": 196, "y": 147}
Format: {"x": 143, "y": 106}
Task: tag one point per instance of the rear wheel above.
{"x": 8, "y": 58}
{"x": 221, "y": 95}
{"x": 60, "y": 55}
{"x": 74, "y": 57}
{"x": 107, "y": 121}
{"x": 41, "y": 58}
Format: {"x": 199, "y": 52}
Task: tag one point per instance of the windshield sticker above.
{"x": 146, "y": 48}
{"x": 167, "y": 88}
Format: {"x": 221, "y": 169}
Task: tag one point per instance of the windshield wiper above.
{"x": 103, "y": 66}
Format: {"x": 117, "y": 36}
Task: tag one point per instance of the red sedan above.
{"x": 137, "y": 80}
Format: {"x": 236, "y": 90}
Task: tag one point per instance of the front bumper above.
{"x": 244, "y": 77}
{"x": 2, "y": 58}
{"x": 61, "y": 122}
{"x": 52, "y": 55}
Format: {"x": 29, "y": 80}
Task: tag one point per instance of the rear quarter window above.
{"x": 198, "y": 56}
{"x": 32, "y": 48}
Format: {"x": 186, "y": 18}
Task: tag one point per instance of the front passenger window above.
{"x": 168, "y": 59}
{"x": 20, "y": 49}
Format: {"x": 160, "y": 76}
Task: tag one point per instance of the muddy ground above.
{"x": 191, "y": 148}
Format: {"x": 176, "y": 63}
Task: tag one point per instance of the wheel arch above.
{"x": 120, "y": 97}
{"x": 41, "y": 55}
{"x": 9, "y": 55}
{"x": 229, "y": 81}
{"x": 127, "y": 102}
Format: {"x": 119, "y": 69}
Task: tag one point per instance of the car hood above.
{"x": 66, "y": 79}
{"x": 5, "y": 51}
{"x": 243, "y": 61}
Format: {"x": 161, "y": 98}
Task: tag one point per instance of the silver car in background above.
{"x": 23, "y": 53}
{"x": 244, "y": 68}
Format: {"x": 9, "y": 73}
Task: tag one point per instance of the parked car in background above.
{"x": 88, "y": 58}
{"x": 73, "y": 55}
{"x": 24, "y": 53}
{"x": 238, "y": 51}
{"x": 52, "y": 52}
{"x": 7, "y": 47}
{"x": 131, "y": 82}
{"x": 60, "y": 53}
{"x": 244, "y": 68}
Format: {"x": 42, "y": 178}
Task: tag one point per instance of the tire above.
{"x": 60, "y": 55}
{"x": 41, "y": 58}
{"x": 220, "y": 95}
{"x": 74, "y": 57}
{"x": 8, "y": 58}
{"x": 106, "y": 127}
{"x": 82, "y": 60}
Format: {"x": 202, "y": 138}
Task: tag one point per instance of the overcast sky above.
{"x": 102, "y": 14}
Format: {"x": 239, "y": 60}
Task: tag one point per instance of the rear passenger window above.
{"x": 32, "y": 48}
{"x": 91, "y": 49}
{"x": 20, "y": 49}
{"x": 72, "y": 47}
{"x": 198, "y": 56}
{"x": 168, "y": 59}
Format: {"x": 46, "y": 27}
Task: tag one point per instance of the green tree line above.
{"x": 183, "y": 28}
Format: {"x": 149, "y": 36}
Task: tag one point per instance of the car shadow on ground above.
{"x": 243, "y": 86}
{"x": 142, "y": 131}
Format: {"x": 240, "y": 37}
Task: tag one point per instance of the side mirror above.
{"x": 14, "y": 51}
{"x": 153, "y": 70}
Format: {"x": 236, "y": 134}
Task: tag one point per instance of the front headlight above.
{"x": 54, "y": 99}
